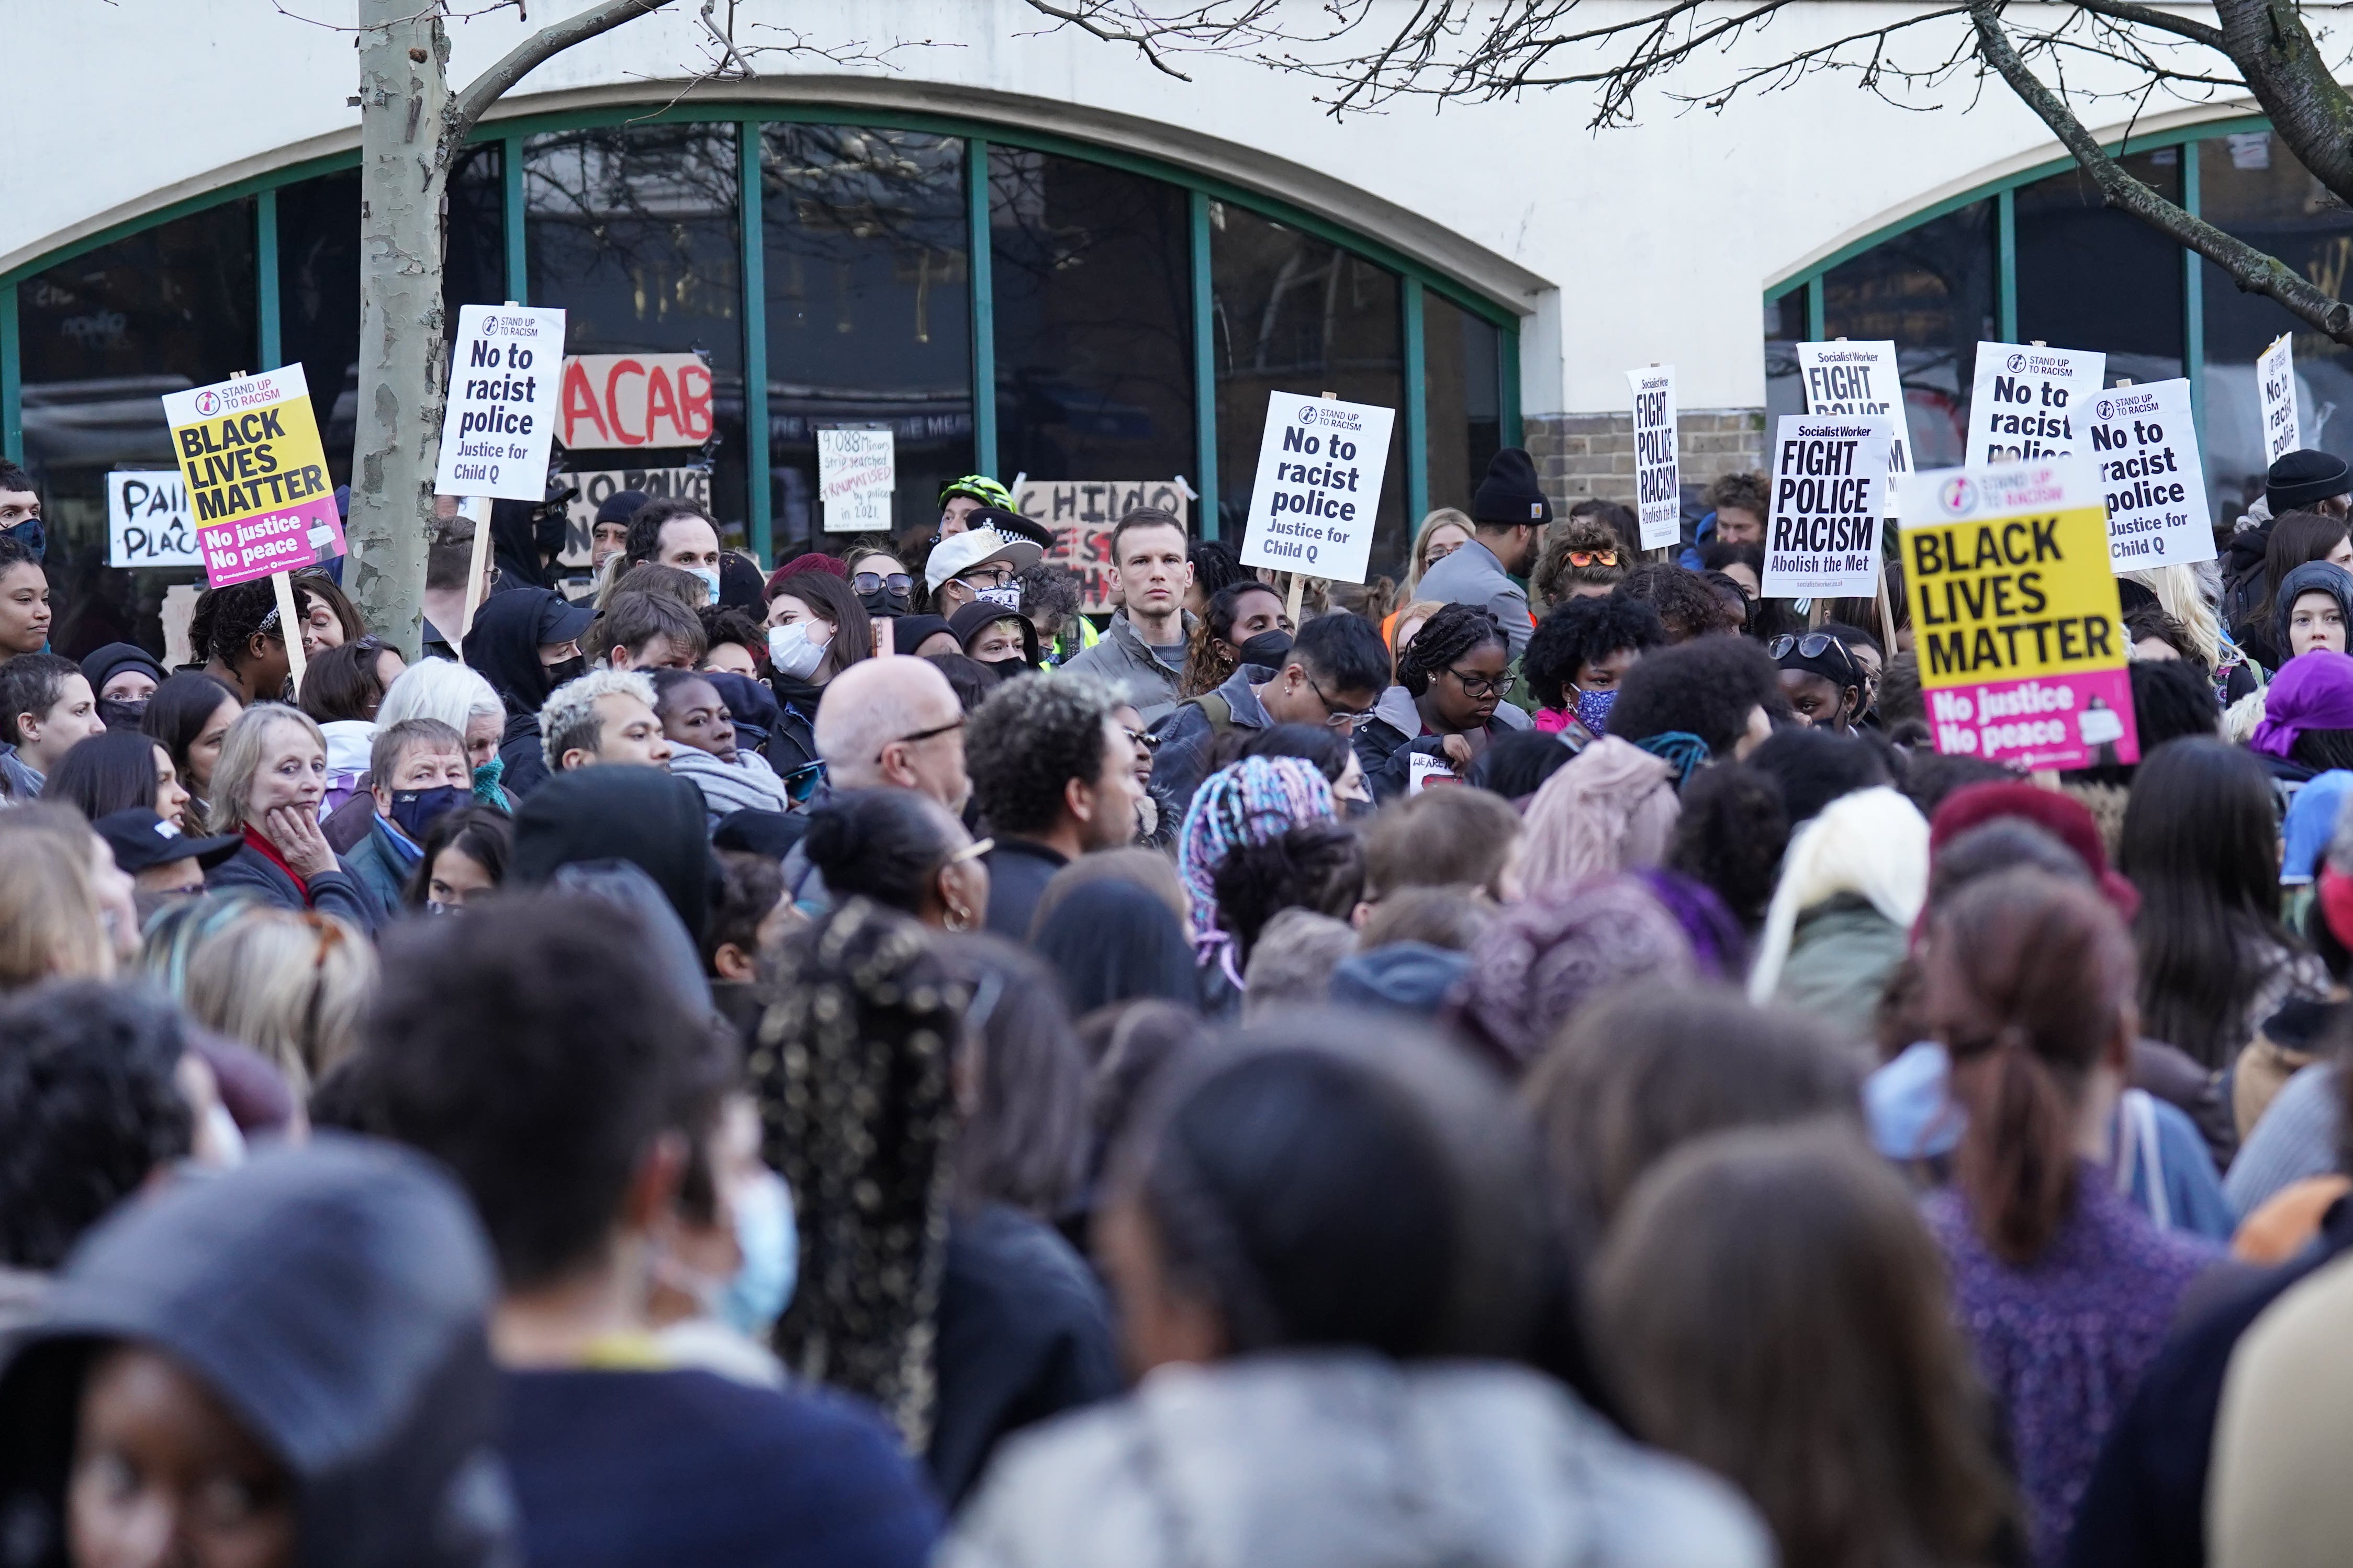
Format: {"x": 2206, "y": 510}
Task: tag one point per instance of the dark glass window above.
{"x": 474, "y": 259}
{"x": 1294, "y": 313}
{"x": 1931, "y": 290}
{"x": 318, "y": 302}
{"x": 1785, "y": 388}
{"x": 2091, "y": 276}
{"x": 104, "y": 336}
{"x": 2250, "y": 186}
{"x": 632, "y": 229}
{"x": 870, "y": 311}
{"x": 1462, "y": 382}
{"x": 1093, "y": 291}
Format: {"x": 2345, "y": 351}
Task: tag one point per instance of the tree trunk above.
{"x": 405, "y": 126}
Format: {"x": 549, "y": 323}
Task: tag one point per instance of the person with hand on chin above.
{"x": 267, "y": 787}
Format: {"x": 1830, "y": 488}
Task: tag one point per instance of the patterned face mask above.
{"x": 1593, "y": 709}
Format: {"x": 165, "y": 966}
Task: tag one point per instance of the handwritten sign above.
{"x": 2021, "y": 632}
{"x": 248, "y": 449}
{"x": 1317, "y": 493}
{"x": 2030, "y": 401}
{"x": 1859, "y": 376}
{"x": 1082, "y": 513}
{"x": 600, "y": 485}
{"x": 2275, "y": 381}
{"x": 148, "y": 522}
{"x": 1830, "y": 473}
{"x": 857, "y": 469}
{"x": 635, "y": 400}
{"x": 498, "y": 430}
{"x": 2149, "y": 476}
{"x": 1658, "y": 482}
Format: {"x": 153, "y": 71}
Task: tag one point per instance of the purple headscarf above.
{"x": 2312, "y": 691}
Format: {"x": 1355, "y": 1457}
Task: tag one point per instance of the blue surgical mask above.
{"x": 710, "y": 575}
{"x": 414, "y": 810}
{"x": 1593, "y": 709}
{"x": 764, "y": 1233}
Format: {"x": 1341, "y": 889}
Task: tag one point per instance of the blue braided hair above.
{"x": 1680, "y": 750}
{"x": 1256, "y": 801}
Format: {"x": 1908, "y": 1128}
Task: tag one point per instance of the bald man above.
{"x": 894, "y": 723}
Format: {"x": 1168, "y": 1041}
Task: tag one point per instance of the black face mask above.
{"x": 1266, "y": 650}
{"x": 566, "y": 669}
{"x": 1007, "y": 669}
{"x": 882, "y": 602}
{"x": 117, "y": 714}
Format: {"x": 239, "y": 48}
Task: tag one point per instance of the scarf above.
{"x": 269, "y": 852}
{"x": 2311, "y": 691}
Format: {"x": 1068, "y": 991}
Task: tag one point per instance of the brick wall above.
{"x": 1590, "y": 457}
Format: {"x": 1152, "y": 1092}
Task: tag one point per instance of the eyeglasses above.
{"x": 803, "y": 781}
{"x": 1335, "y": 716}
{"x": 1813, "y": 645}
{"x": 1481, "y": 685}
{"x": 1593, "y": 558}
{"x": 920, "y": 735}
{"x": 994, "y": 574}
{"x": 1145, "y": 738}
{"x": 875, "y": 581}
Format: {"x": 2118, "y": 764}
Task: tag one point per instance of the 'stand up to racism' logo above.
{"x": 1955, "y": 497}
{"x": 2015, "y": 364}
{"x": 208, "y": 403}
{"x": 2106, "y": 409}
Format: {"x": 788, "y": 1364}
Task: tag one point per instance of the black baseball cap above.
{"x": 140, "y": 840}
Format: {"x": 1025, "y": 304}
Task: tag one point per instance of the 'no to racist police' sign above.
{"x": 256, "y": 476}
{"x": 2030, "y": 402}
{"x": 2149, "y": 475}
{"x": 1318, "y": 490}
{"x": 498, "y": 430}
{"x": 2275, "y": 384}
{"x": 1829, "y": 481}
{"x": 2021, "y": 638}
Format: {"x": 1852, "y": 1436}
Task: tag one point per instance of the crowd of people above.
{"x": 877, "y": 1063}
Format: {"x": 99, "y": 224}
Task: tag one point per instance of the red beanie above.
{"x": 2062, "y": 816}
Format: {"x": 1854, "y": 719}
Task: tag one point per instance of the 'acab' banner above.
{"x": 498, "y": 430}
{"x": 635, "y": 400}
{"x": 2019, "y": 623}
{"x": 1318, "y": 490}
{"x": 1852, "y": 375}
{"x": 2149, "y": 476}
{"x": 1658, "y": 482}
{"x": 257, "y": 475}
{"x": 2030, "y": 402}
{"x": 1830, "y": 480}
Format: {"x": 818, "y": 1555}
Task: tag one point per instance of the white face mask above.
{"x": 710, "y": 575}
{"x": 795, "y": 650}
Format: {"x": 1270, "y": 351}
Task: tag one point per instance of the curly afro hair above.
{"x": 1029, "y": 739}
{"x": 1451, "y": 634}
{"x": 1707, "y": 688}
{"x": 1731, "y": 834}
{"x": 1582, "y": 631}
{"x": 1683, "y": 599}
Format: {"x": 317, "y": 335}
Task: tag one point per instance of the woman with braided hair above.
{"x": 244, "y": 645}
{"x": 1257, "y": 801}
{"x": 1448, "y": 701}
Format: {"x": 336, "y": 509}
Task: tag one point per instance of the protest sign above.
{"x": 2275, "y": 381}
{"x": 147, "y": 520}
{"x": 635, "y": 400}
{"x": 1318, "y": 490}
{"x": 2019, "y": 630}
{"x": 2029, "y": 402}
{"x": 2147, "y": 446}
{"x": 249, "y": 449}
{"x": 498, "y": 430}
{"x": 1855, "y": 376}
{"x": 1082, "y": 513}
{"x": 1829, "y": 478}
{"x": 857, "y": 469}
{"x": 598, "y": 486}
{"x": 1424, "y": 770}
{"x": 1658, "y": 482}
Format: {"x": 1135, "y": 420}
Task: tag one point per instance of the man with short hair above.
{"x": 672, "y": 531}
{"x": 894, "y": 724}
{"x": 416, "y": 771}
{"x": 609, "y": 535}
{"x": 1508, "y": 517}
{"x": 607, "y": 716}
{"x": 544, "y": 1055}
{"x": 1333, "y": 676}
{"x": 47, "y": 708}
{"x": 646, "y": 631}
{"x": 983, "y": 558}
{"x": 1143, "y": 651}
{"x": 20, "y": 510}
{"x": 1054, "y": 773}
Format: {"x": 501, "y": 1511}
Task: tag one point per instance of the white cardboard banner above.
{"x": 1830, "y": 488}
{"x": 497, "y": 433}
{"x": 2275, "y": 381}
{"x": 857, "y": 469}
{"x": 1318, "y": 494}
{"x": 1657, "y": 485}
{"x": 147, "y": 520}
{"x": 2155, "y": 489}
{"x": 2030, "y": 402}
{"x": 1854, "y": 376}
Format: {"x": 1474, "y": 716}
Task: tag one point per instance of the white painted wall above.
{"x": 1628, "y": 246}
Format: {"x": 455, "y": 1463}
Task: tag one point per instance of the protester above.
{"x": 904, "y": 852}
{"x": 1254, "y": 801}
{"x": 1731, "y": 829}
{"x": 47, "y": 708}
{"x": 1722, "y": 690}
{"x": 1242, "y": 623}
{"x": 734, "y": 642}
{"x": 2308, "y": 718}
{"x": 1612, "y": 808}
{"x": 881, "y": 581}
{"x": 646, "y": 628}
{"x": 674, "y": 531}
{"x": 459, "y": 696}
{"x": 291, "y": 986}
{"x": 1852, "y": 884}
{"x": 1822, "y": 679}
{"x": 271, "y": 775}
{"x": 1463, "y": 838}
{"x": 1447, "y": 706}
{"x": 1054, "y": 775}
{"x": 605, "y": 716}
{"x": 117, "y": 771}
{"x": 1686, "y": 605}
{"x": 894, "y": 724}
{"x": 923, "y": 636}
{"x": 161, "y": 860}
{"x": 1333, "y": 674}
{"x": 2294, "y": 539}
{"x": 332, "y": 619}
{"x": 1143, "y": 649}
{"x": 635, "y": 835}
{"x": 817, "y": 630}
{"x": 236, "y": 632}
{"x": 189, "y": 717}
{"x": 983, "y": 558}
{"x": 1580, "y": 653}
{"x": 124, "y": 676}
{"x": 1315, "y": 867}
{"x": 1290, "y": 961}
{"x": 53, "y": 919}
{"x": 418, "y": 773}
{"x": 703, "y": 752}
{"x": 1002, "y": 641}
{"x": 1583, "y": 558}
{"x": 2314, "y": 607}
{"x": 1441, "y": 533}
{"x": 1112, "y": 941}
{"x": 343, "y": 689}
{"x": 465, "y": 856}
{"x": 1559, "y": 948}
{"x": 525, "y": 643}
{"x": 25, "y": 611}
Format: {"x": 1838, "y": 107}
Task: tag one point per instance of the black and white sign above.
{"x": 2149, "y": 473}
{"x": 148, "y": 522}
{"x": 1318, "y": 490}
{"x": 505, "y": 382}
{"x": 1658, "y": 482}
{"x": 1829, "y": 490}
{"x": 1855, "y": 376}
{"x": 2276, "y": 380}
{"x": 857, "y": 469}
{"x": 2031, "y": 403}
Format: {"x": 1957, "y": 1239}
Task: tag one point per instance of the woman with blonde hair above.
{"x": 1441, "y": 533}
{"x": 2181, "y": 596}
{"x": 289, "y": 985}
{"x": 267, "y": 788}
{"x": 52, "y": 922}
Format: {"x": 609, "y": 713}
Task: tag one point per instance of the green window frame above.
{"x": 1417, "y": 279}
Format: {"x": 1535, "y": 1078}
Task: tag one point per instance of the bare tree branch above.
{"x": 2251, "y": 268}
{"x": 541, "y": 46}
{"x": 2163, "y": 21}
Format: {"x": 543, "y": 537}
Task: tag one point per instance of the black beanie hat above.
{"x": 2303, "y": 476}
{"x": 1510, "y": 494}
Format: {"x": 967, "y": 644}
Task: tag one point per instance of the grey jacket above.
{"x": 1127, "y": 661}
{"x": 1344, "y": 1459}
{"x": 1472, "y": 575}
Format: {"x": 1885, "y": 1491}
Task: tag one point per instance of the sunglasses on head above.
{"x": 1813, "y": 645}
{"x": 1593, "y": 558}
